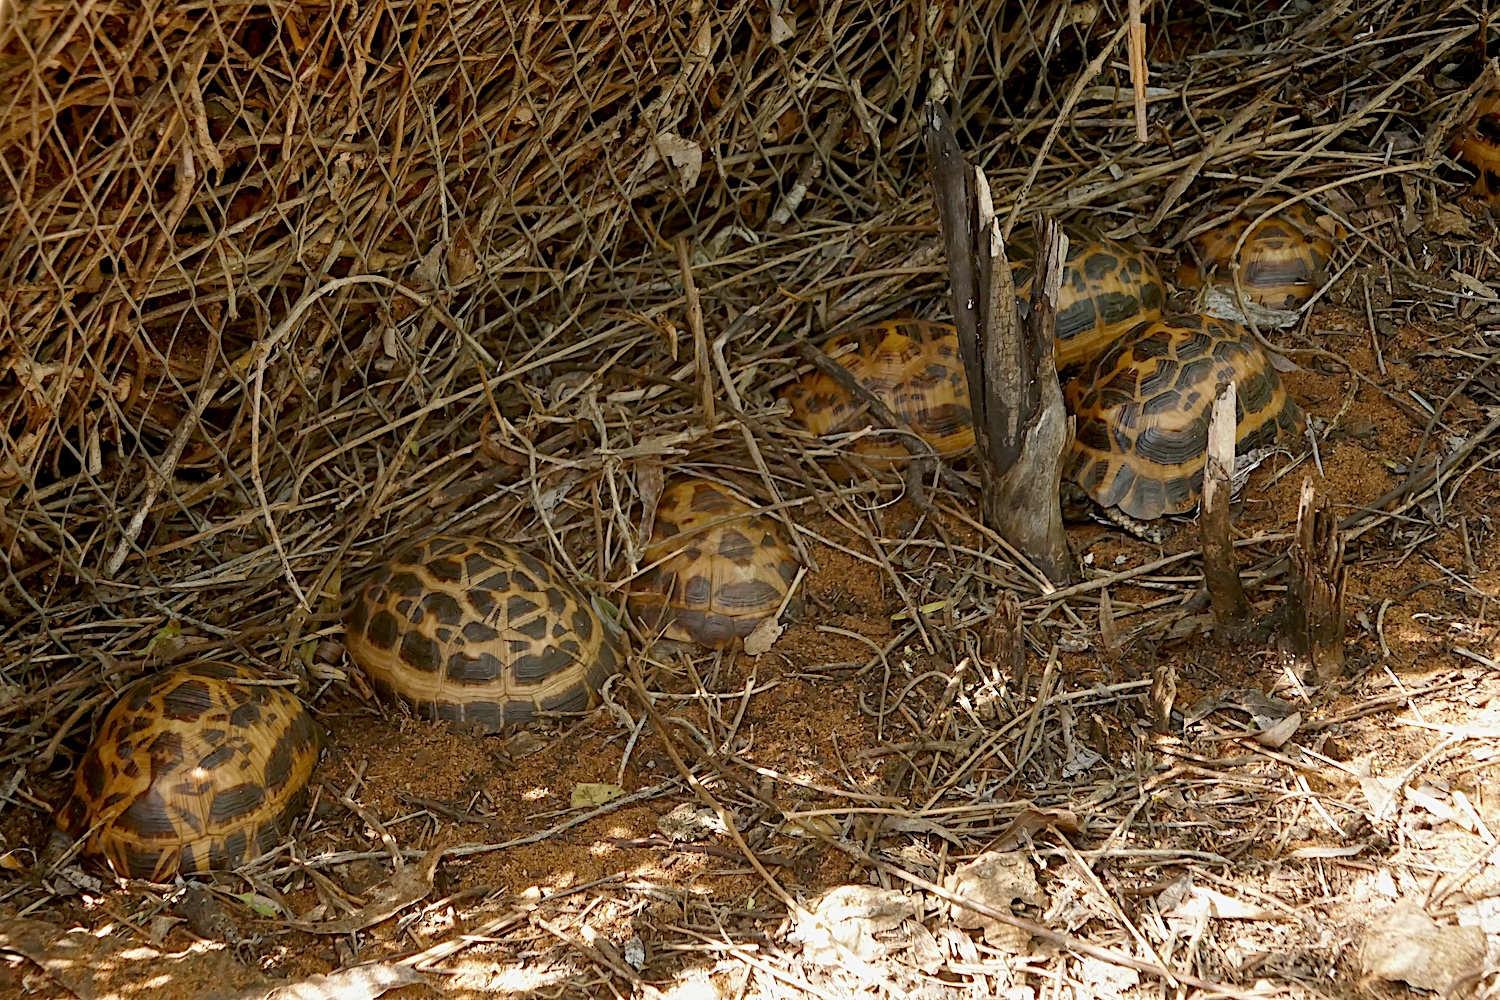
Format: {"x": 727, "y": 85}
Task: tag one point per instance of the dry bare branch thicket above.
{"x": 282, "y": 285}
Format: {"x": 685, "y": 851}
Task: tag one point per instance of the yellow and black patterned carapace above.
{"x": 1107, "y": 289}
{"x": 1283, "y": 263}
{"x": 470, "y": 630}
{"x": 1143, "y": 409}
{"x": 716, "y": 567}
{"x": 912, "y": 366}
{"x": 197, "y": 769}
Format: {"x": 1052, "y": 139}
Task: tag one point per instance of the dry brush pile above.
{"x": 282, "y": 286}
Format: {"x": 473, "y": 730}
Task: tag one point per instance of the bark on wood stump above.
{"x": 1163, "y": 696}
{"x": 1020, "y": 427}
{"x": 1221, "y": 574}
{"x": 1315, "y": 592}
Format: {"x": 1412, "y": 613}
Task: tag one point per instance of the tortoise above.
{"x": 1107, "y": 288}
{"x": 911, "y": 365}
{"x": 479, "y": 633}
{"x": 715, "y": 567}
{"x": 915, "y": 368}
{"x": 1283, "y": 262}
{"x": 196, "y": 769}
{"x": 1478, "y": 145}
{"x": 1142, "y": 411}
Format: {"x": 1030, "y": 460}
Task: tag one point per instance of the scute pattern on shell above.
{"x": 1107, "y": 288}
{"x": 913, "y": 366}
{"x": 1143, "y": 408}
{"x": 1283, "y": 262}
{"x": 713, "y": 584}
{"x": 1478, "y": 145}
{"x": 193, "y": 770}
{"x": 475, "y": 631}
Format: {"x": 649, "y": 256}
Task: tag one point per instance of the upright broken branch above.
{"x": 1221, "y": 574}
{"x": 1020, "y": 426}
{"x": 1315, "y": 591}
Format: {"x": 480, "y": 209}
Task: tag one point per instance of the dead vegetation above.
{"x": 284, "y": 286}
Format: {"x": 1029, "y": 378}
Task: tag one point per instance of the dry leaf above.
{"x": 1405, "y": 944}
{"x": 1473, "y": 284}
{"x": 916, "y": 824}
{"x": 783, "y": 28}
{"x": 1436, "y": 801}
{"x": 763, "y": 637}
{"x": 690, "y": 822}
{"x": 938, "y": 88}
{"x": 650, "y": 480}
{"x": 1031, "y": 820}
{"x": 998, "y": 881}
{"x": 1331, "y": 227}
{"x": 1185, "y": 901}
{"x": 1449, "y": 220}
{"x": 857, "y": 921}
{"x": 1163, "y": 697}
{"x": 1109, "y": 632}
{"x": 587, "y": 794}
{"x": 1086, "y": 12}
{"x": 813, "y": 826}
{"x": 405, "y": 886}
{"x": 1221, "y": 302}
{"x": 684, "y": 154}
{"x": 703, "y": 41}
{"x": 524, "y": 744}
{"x": 1378, "y": 791}
{"x": 1277, "y": 735}
{"x": 463, "y": 260}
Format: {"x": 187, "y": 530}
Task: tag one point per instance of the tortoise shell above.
{"x": 1283, "y": 262}
{"x": 475, "y": 631}
{"x": 911, "y": 365}
{"x": 1478, "y": 145}
{"x": 716, "y": 568}
{"x": 1107, "y": 288}
{"x": 1143, "y": 408}
{"x": 197, "y": 769}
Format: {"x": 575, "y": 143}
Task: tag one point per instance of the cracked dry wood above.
{"x": 1221, "y": 574}
{"x": 1020, "y": 427}
{"x": 1315, "y": 591}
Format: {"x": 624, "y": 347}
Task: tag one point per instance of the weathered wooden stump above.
{"x": 1221, "y": 573}
{"x": 1315, "y": 592}
{"x": 1020, "y": 427}
{"x": 1162, "y": 697}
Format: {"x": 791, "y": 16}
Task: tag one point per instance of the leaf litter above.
{"x": 270, "y": 336}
